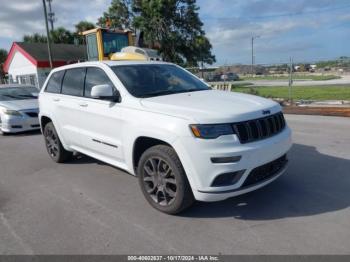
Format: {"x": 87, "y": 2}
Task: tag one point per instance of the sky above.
{"x": 307, "y": 30}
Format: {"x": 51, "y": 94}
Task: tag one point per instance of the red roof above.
{"x": 37, "y": 54}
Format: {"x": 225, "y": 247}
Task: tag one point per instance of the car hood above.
{"x": 211, "y": 106}
{"x": 20, "y": 104}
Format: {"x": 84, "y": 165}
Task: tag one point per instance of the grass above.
{"x": 295, "y": 77}
{"x": 300, "y": 92}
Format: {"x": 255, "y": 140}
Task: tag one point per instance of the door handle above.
{"x": 83, "y": 105}
{"x": 56, "y": 99}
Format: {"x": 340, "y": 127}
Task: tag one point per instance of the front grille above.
{"x": 32, "y": 114}
{"x": 266, "y": 171}
{"x": 261, "y": 128}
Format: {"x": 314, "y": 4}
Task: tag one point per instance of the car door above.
{"x": 101, "y": 122}
{"x": 69, "y": 105}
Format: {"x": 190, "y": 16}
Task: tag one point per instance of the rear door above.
{"x": 50, "y": 97}
{"x": 69, "y": 105}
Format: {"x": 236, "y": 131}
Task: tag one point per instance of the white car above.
{"x": 157, "y": 121}
{"x": 18, "y": 109}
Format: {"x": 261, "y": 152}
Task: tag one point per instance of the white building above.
{"x": 28, "y": 63}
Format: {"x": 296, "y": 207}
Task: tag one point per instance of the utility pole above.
{"x": 51, "y": 15}
{"x": 252, "y": 66}
{"x": 47, "y": 35}
{"x": 202, "y": 69}
{"x": 290, "y": 82}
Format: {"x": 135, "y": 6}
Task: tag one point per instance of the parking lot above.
{"x": 87, "y": 207}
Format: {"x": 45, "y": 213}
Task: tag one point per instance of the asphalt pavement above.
{"x": 88, "y": 207}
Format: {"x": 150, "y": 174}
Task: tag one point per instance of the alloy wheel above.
{"x": 51, "y": 140}
{"x": 159, "y": 181}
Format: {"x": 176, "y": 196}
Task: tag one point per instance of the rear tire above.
{"x": 54, "y": 146}
{"x": 163, "y": 180}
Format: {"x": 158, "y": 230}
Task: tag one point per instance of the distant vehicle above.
{"x": 19, "y": 108}
{"x": 216, "y": 78}
{"x": 182, "y": 139}
{"x": 225, "y": 77}
{"x": 232, "y": 77}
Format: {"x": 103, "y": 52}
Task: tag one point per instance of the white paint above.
{"x": 166, "y": 118}
{"x": 22, "y": 66}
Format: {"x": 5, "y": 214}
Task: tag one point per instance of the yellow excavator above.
{"x": 113, "y": 44}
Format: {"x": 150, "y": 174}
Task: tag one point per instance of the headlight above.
{"x": 211, "y": 131}
{"x": 12, "y": 112}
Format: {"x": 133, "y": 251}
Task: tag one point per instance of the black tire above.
{"x": 165, "y": 187}
{"x": 54, "y": 146}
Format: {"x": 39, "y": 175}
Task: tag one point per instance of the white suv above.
{"x": 157, "y": 121}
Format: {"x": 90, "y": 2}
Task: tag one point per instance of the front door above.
{"x": 101, "y": 123}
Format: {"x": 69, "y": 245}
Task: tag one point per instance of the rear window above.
{"x": 73, "y": 82}
{"x": 54, "y": 84}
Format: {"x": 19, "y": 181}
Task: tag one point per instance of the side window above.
{"x": 95, "y": 76}
{"x": 73, "y": 82}
{"x": 54, "y": 84}
{"x": 92, "y": 47}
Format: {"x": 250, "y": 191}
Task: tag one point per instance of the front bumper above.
{"x": 201, "y": 172}
{"x": 16, "y": 124}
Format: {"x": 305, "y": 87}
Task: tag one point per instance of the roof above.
{"x": 60, "y": 52}
{"x": 37, "y": 53}
{"x": 109, "y": 63}
{"x": 123, "y": 62}
{"x": 94, "y": 30}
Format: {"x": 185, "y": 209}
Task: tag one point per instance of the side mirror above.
{"x": 106, "y": 92}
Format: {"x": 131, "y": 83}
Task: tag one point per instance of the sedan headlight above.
{"x": 211, "y": 131}
{"x": 12, "y": 112}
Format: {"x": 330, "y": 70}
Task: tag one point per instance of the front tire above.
{"x": 54, "y": 146}
{"x": 163, "y": 180}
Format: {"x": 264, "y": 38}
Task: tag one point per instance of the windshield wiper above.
{"x": 10, "y": 96}
{"x": 29, "y": 96}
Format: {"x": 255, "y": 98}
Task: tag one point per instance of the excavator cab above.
{"x": 111, "y": 44}
{"x": 101, "y": 43}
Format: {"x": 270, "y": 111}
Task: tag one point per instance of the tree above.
{"x": 35, "y": 38}
{"x": 80, "y": 28}
{"x": 62, "y": 36}
{"x": 58, "y": 36}
{"x": 176, "y": 26}
{"x": 172, "y": 26}
{"x": 118, "y": 15}
{"x": 3, "y": 56}
{"x": 83, "y": 26}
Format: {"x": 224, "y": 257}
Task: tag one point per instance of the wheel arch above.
{"x": 141, "y": 144}
{"x": 44, "y": 120}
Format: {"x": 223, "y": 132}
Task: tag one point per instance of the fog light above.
{"x": 222, "y": 160}
{"x": 227, "y": 179}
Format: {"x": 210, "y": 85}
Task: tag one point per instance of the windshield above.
{"x": 155, "y": 80}
{"x": 18, "y": 93}
{"x": 114, "y": 42}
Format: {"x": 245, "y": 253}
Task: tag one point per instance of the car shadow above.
{"x": 26, "y": 133}
{"x": 314, "y": 183}
{"x": 79, "y": 159}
